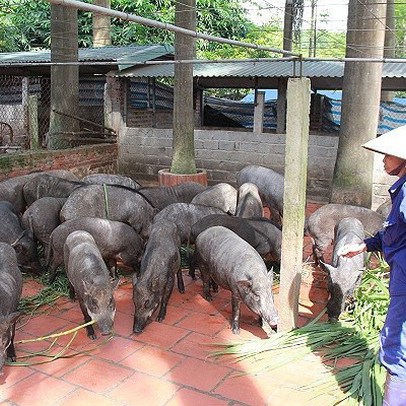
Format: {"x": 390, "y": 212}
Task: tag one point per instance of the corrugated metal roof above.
{"x": 134, "y": 53}
{"x": 258, "y": 69}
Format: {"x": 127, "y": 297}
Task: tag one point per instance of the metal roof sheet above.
{"x": 328, "y": 69}
{"x": 133, "y": 53}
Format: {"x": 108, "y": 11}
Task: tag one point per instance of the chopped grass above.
{"x": 48, "y": 294}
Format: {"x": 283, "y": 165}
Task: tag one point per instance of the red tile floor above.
{"x": 168, "y": 364}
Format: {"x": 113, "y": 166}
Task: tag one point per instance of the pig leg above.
{"x": 11, "y": 353}
{"x": 318, "y": 254}
{"x": 112, "y": 266}
{"x": 235, "y": 321}
{"x": 89, "y": 329}
{"x": 165, "y": 298}
{"x": 71, "y": 292}
{"x": 214, "y": 285}
{"x": 192, "y": 266}
{"x": 52, "y": 269}
{"x": 205, "y": 275}
{"x": 181, "y": 284}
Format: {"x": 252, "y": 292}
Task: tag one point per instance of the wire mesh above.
{"x": 14, "y": 95}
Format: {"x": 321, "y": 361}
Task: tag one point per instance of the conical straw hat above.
{"x": 391, "y": 143}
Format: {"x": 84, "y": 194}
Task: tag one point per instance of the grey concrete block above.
{"x": 211, "y": 144}
{"x": 226, "y": 145}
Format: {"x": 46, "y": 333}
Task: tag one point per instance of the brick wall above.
{"x": 81, "y": 161}
{"x": 143, "y": 151}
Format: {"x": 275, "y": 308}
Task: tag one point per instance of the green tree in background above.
{"x": 400, "y": 18}
{"x": 25, "y": 24}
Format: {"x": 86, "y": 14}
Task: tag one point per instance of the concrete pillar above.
{"x": 296, "y": 151}
{"x": 259, "y": 109}
{"x": 33, "y": 121}
{"x": 281, "y": 107}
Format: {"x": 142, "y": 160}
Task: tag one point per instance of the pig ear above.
{"x": 245, "y": 285}
{"x": 13, "y": 317}
{"x": 86, "y": 286}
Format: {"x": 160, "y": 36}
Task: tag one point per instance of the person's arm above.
{"x": 374, "y": 243}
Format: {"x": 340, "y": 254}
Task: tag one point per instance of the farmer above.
{"x": 392, "y": 242}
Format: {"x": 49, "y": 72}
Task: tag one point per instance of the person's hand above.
{"x": 350, "y": 250}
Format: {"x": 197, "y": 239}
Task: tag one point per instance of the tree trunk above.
{"x": 390, "y": 42}
{"x": 288, "y": 26}
{"x": 282, "y": 82}
{"x": 64, "y": 78}
{"x": 183, "y": 161}
{"x": 352, "y": 180}
{"x": 101, "y": 26}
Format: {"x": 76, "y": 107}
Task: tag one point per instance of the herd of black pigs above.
{"x": 89, "y": 224}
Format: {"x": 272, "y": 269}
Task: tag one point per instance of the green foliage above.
{"x": 26, "y": 23}
{"x": 48, "y": 294}
{"x": 400, "y": 18}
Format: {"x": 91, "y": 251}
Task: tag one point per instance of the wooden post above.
{"x": 33, "y": 121}
{"x": 259, "y": 112}
{"x": 296, "y": 151}
{"x": 24, "y": 101}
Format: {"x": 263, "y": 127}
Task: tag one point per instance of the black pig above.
{"x": 11, "y": 283}
{"x": 321, "y": 224}
{"x": 90, "y": 280}
{"x": 116, "y": 203}
{"x": 42, "y": 217}
{"x": 222, "y": 195}
{"x": 235, "y": 265}
{"x": 114, "y": 239}
{"x": 110, "y": 179}
{"x": 344, "y": 273}
{"x": 270, "y": 186}
{"x": 261, "y": 233}
{"x": 11, "y": 232}
{"x": 159, "y": 264}
{"x": 249, "y": 203}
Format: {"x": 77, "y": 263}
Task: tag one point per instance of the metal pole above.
{"x": 165, "y": 26}
{"x": 206, "y": 61}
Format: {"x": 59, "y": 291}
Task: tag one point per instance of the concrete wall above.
{"x": 143, "y": 151}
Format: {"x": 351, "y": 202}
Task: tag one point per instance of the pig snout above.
{"x": 35, "y": 267}
{"x": 272, "y": 320}
{"x": 105, "y": 324}
{"x": 139, "y": 325}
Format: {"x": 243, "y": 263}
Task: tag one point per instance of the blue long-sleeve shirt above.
{"x": 392, "y": 239}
